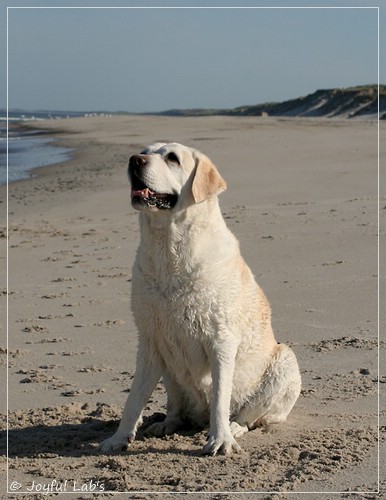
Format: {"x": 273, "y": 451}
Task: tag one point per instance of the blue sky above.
{"x": 156, "y": 59}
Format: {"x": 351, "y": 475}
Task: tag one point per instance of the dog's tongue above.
{"x": 143, "y": 193}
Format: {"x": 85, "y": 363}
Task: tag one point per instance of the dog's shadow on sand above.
{"x": 82, "y": 439}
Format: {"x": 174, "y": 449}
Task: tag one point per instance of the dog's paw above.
{"x": 164, "y": 428}
{"x": 237, "y": 429}
{"x": 158, "y": 429}
{"x": 117, "y": 442}
{"x": 218, "y": 445}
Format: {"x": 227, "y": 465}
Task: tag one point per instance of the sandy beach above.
{"x": 302, "y": 200}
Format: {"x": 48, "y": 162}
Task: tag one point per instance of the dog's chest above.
{"x": 175, "y": 312}
{"x": 183, "y": 303}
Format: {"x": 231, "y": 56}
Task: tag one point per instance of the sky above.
{"x": 154, "y": 59}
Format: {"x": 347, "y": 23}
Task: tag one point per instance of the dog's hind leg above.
{"x": 175, "y": 408}
{"x": 276, "y": 395}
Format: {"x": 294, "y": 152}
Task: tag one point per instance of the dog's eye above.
{"x": 173, "y": 158}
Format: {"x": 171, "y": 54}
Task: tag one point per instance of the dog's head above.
{"x": 171, "y": 177}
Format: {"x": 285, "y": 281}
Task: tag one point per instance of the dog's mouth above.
{"x": 143, "y": 195}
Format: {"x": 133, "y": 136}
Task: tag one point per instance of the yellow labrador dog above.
{"x": 204, "y": 324}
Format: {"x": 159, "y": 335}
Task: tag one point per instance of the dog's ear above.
{"x": 207, "y": 180}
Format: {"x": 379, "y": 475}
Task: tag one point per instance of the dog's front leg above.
{"x": 220, "y": 436}
{"x": 147, "y": 374}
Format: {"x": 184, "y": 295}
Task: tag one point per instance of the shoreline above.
{"x": 30, "y": 148}
{"x": 301, "y": 199}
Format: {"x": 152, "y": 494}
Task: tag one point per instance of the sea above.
{"x": 29, "y": 148}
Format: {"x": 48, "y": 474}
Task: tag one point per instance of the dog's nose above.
{"x": 137, "y": 161}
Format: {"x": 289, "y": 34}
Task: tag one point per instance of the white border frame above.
{"x": 377, "y": 8}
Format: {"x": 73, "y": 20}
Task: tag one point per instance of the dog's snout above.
{"x": 137, "y": 161}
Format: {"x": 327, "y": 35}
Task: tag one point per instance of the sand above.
{"x": 302, "y": 199}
